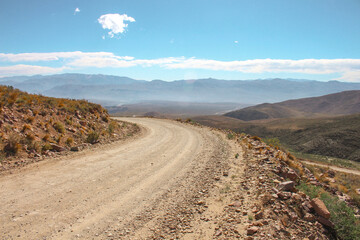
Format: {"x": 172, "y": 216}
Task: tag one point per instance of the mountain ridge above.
{"x": 127, "y": 90}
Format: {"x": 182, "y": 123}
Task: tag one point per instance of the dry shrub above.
{"x": 26, "y": 127}
{"x": 58, "y": 126}
{"x": 30, "y": 119}
{"x": 12, "y": 145}
{"x": 46, "y": 138}
{"x": 69, "y": 141}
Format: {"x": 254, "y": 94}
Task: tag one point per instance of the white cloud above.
{"x": 307, "y": 66}
{"x": 77, "y": 10}
{"x": 348, "y": 69}
{"x": 52, "y": 56}
{"x": 352, "y": 76}
{"x": 115, "y": 23}
{"x": 236, "y": 42}
{"x": 18, "y": 70}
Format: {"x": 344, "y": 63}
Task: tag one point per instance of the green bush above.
{"x": 92, "y": 137}
{"x": 112, "y": 127}
{"x": 346, "y": 225}
{"x": 230, "y": 136}
{"x": 310, "y": 190}
{"x": 46, "y": 147}
{"x": 59, "y": 127}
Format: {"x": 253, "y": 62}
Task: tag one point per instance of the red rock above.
{"x": 252, "y": 230}
{"x": 292, "y": 175}
{"x": 259, "y": 215}
{"x": 320, "y": 208}
{"x": 75, "y": 149}
{"x": 57, "y": 147}
{"x": 309, "y": 217}
{"x": 236, "y": 204}
{"x": 325, "y": 222}
{"x": 286, "y": 186}
{"x": 284, "y": 195}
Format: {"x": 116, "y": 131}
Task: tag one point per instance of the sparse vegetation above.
{"x": 69, "y": 141}
{"x": 12, "y": 146}
{"x": 346, "y": 225}
{"x": 59, "y": 127}
{"x": 92, "y": 137}
{"x": 112, "y": 126}
{"x": 31, "y": 124}
{"x": 230, "y": 136}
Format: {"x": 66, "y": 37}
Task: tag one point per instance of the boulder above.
{"x": 325, "y": 222}
{"x": 75, "y": 149}
{"x": 287, "y": 186}
{"x": 320, "y": 208}
{"x": 251, "y": 230}
{"x": 292, "y": 175}
{"x": 57, "y": 148}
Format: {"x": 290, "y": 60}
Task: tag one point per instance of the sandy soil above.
{"x": 122, "y": 190}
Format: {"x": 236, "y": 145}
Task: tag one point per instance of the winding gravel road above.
{"x": 94, "y": 193}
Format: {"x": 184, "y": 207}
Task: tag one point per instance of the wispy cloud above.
{"x": 307, "y": 66}
{"x": 115, "y": 23}
{"x": 349, "y": 69}
{"x": 77, "y": 10}
{"x": 52, "y": 56}
{"x": 18, "y": 70}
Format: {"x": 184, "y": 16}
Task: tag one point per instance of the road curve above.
{"x": 83, "y": 195}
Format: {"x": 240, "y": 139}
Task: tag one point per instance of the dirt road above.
{"x": 115, "y": 191}
{"x": 335, "y": 168}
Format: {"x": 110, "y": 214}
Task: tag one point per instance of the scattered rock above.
{"x": 259, "y": 215}
{"x": 309, "y": 217}
{"x": 284, "y": 195}
{"x": 75, "y": 149}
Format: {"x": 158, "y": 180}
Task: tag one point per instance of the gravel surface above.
{"x": 154, "y": 185}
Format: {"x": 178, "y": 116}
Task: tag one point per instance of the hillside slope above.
{"x": 343, "y": 103}
{"x": 331, "y": 136}
{"x": 34, "y": 126}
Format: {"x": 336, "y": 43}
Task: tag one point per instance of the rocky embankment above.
{"x": 261, "y": 194}
{"x": 34, "y": 127}
{"x": 280, "y": 210}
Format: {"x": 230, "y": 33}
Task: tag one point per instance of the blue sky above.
{"x": 174, "y": 39}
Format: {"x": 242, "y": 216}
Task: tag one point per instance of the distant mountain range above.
{"x": 343, "y": 103}
{"x": 116, "y": 90}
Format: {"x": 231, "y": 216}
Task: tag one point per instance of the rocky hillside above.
{"x": 343, "y": 103}
{"x": 34, "y": 127}
{"x": 288, "y": 201}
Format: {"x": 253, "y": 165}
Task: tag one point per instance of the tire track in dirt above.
{"x": 123, "y": 190}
